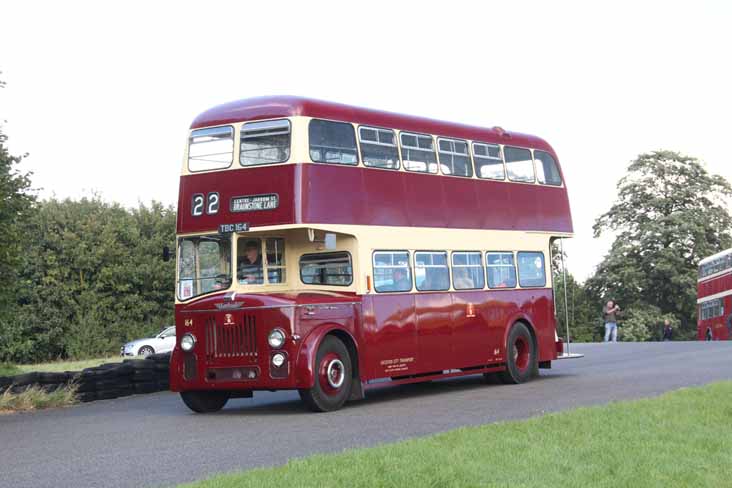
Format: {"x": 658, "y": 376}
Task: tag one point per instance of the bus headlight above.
{"x": 187, "y": 342}
{"x": 278, "y": 360}
{"x": 276, "y": 338}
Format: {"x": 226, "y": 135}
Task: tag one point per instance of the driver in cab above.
{"x": 250, "y": 265}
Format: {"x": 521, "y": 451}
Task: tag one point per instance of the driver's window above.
{"x": 249, "y": 263}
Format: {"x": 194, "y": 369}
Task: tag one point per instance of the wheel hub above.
{"x": 334, "y": 373}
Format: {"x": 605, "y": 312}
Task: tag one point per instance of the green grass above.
{"x": 682, "y": 438}
{"x": 61, "y": 366}
{"x": 35, "y": 398}
{"x": 7, "y": 369}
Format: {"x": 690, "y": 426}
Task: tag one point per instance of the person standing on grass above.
{"x": 668, "y": 331}
{"x": 609, "y": 314}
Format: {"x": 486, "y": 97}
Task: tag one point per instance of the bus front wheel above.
{"x": 520, "y": 356}
{"x": 332, "y": 377}
{"x": 205, "y": 401}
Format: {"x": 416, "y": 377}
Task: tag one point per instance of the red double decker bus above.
{"x": 714, "y": 297}
{"x": 332, "y": 249}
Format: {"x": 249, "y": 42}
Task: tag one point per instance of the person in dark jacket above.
{"x": 668, "y": 331}
{"x": 250, "y": 265}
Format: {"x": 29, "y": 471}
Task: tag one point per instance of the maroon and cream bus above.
{"x": 714, "y": 297}
{"x": 333, "y": 249}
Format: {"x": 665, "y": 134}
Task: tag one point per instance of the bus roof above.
{"x": 715, "y": 256}
{"x": 289, "y": 106}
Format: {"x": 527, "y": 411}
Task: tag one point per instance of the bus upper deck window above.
{"x": 211, "y": 148}
{"x": 546, "y": 169}
{"x": 454, "y": 157}
{"x": 332, "y": 142}
{"x": 265, "y": 142}
{"x": 519, "y": 164}
{"x": 488, "y": 161}
{"x": 418, "y": 152}
{"x": 378, "y": 148}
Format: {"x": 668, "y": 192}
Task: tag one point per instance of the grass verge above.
{"x": 35, "y": 398}
{"x": 7, "y": 369}
{"x": 682, "y": 438}
{"x": 61, "y": 366}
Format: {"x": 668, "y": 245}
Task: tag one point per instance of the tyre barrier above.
{"x": 104, "y": 382}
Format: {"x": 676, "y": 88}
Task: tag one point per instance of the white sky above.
{"x": 101, "y": 93}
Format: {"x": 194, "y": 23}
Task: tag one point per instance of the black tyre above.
{"x": 521, "y": 362}
{"x": 205, "y": 401}
{"x": 333, "y": 378}
{"x": 146, "y": 351}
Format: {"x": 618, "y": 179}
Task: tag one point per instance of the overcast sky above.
{"x": 101, "y": 93}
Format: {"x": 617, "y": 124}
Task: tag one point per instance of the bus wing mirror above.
{"x": 330, "y": 241}
{"x": 166, "y": 254}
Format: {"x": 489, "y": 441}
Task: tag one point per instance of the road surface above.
{"x": 154, "y": 440}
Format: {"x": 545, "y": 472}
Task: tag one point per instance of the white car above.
{"x": 163, "y": 342}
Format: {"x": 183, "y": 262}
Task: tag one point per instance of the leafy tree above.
{"x": 92, "y": 279}
{"x": 16, "y": 203}
{"x": 585, "y": 323}
{"x": 669, "y": 213}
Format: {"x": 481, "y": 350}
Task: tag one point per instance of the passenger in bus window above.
{"x": 463, "y": 281}
{"x": 401, "y": 280}
{"x": 250, "y": 265}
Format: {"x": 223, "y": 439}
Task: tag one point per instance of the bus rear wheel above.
{"x": 205, "y": 401}
{"x": 520, "y": 356}
{"x": 333, "y": 378}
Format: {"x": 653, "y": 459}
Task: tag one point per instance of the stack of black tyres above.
{"x": 162, "y": 370}
{"x": 112, "y": 380}
{"x": 105, "y": 382}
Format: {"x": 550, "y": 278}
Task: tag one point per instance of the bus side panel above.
{"x": 389, "y": 335}
{"x": 434, "y": 331}
{"x": 478, "y": 322}
{"x": 545, "y": 325}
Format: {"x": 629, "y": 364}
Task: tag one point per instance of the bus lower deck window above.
{"x": 327, "y": 268}
{"x": 467, "y": 271}
{"x": 430, "y": 271}
{"x": 500, "y": 269}
{"x": 531, "y": 269}
{"x": 392, "y": 271}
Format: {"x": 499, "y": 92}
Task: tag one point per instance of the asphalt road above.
{"x": 154, "y": 440}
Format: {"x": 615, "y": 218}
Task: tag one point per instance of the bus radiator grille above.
{"x": 230, "y": 340}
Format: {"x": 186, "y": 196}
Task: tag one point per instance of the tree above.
{"x": 93, "y": 277}
{"x": 669, "y": 213}
{"x": 16, "y": 203}
{"x": 584, "y": 321}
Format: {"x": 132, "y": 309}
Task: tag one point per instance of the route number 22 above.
{"x": 211, "y": 204}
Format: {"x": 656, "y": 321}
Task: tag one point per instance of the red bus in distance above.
{"x": 714, "y": 297}
{"x": 332, "y": 249}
